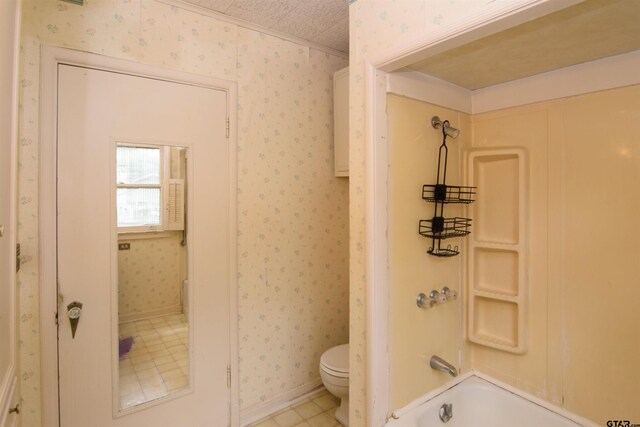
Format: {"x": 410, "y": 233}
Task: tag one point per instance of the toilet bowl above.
{"x": 334, "y": 372}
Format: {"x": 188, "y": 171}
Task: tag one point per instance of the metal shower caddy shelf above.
{"x": 439, "y": 227}
{"x": 448, "y": 193}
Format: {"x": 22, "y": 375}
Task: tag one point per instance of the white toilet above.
{"x": 334, "y": 371}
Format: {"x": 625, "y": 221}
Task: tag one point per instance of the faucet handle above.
{"x": 448, "y": 294}
{"x": 435, "y": 298}
{"x": 424, "y": 301}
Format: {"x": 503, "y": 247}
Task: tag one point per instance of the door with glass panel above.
{"x": 143, "y": 259}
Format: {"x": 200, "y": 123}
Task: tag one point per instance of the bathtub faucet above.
{"x": 442, "y": 365}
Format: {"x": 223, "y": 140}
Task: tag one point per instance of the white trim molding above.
{"x": 270, "y": 406}
{"x": 423, "y": 87}
{"x": 377, "y": 262}
{"x": 51, "y": 57}
{"x": 9, "y": 384}
{"x": 232, "y": 250}
{"x": 603, "y": 74}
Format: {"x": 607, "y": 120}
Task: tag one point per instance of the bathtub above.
{"x": 476, "y": 402}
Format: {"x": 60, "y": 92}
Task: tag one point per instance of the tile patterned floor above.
{"x": 158, "y": 362}
{"x": 317, "y": 411}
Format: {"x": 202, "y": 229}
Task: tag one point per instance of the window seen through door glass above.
{"x": 139, "y": 186}
{"x": 138, "y": 207}
{"x": 138, "y": 165}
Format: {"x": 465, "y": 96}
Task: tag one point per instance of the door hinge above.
{"x": 60, "y": 300}
{"x": 228, "y": 376}
{"x": 226, "y": 127}
{"x": 17, "y": 257}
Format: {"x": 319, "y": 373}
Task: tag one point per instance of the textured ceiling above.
{"x": 325, "y": 22}
{"x": 585, "y": 32}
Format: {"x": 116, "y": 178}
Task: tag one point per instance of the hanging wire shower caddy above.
{"x": 439, "y": 227}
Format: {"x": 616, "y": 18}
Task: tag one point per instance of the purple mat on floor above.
{"x": 125, "y": 345}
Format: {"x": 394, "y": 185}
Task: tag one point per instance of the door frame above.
{"x": 50, "y": 58}
{"x": 9, "y": 378}
{"x": 494, "y": 18}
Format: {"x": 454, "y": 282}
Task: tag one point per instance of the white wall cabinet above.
{"x": 341, "y": 121}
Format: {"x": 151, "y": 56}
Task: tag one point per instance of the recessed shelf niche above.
{"x": 496, "y": 322}
{"x": 496, "y": 271}
{"x": 497, "y": 259}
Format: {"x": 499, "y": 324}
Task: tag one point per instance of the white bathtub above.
{"x": 479, "y": 403}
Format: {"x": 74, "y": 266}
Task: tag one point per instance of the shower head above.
{"x": 447, "y": 129}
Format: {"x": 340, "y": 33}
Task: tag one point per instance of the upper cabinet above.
{"x": 341, "y": 121}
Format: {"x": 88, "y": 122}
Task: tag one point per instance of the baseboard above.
{"x": 8, "y": 398}
{"x": 123, "y": 318}
{"x": 261, "y": 410}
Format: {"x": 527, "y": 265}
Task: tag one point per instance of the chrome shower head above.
{"x": 447, "y": 129}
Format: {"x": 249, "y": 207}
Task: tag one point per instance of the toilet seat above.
{"x": 334, "y": 372}
{"x": 335, "y": 361}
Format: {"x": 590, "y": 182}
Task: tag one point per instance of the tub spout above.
{"x": 442, "y": 365}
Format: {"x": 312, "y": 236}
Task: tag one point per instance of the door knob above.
{"x": 74, "y": 310}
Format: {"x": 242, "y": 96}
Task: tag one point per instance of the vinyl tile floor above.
{"x": 158, "y": 362}
{"x": 316, "y": 411}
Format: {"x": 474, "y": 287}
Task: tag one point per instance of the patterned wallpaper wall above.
{"x": 150, "y": 276}
{"x": 293, "y": 213}
{"x": 376, "y": 26}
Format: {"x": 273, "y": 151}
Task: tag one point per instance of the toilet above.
{"x": 334, "y": 371}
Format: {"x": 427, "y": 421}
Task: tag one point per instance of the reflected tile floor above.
{"x": 158, "y": 362}
{"x": 316, "y": 411}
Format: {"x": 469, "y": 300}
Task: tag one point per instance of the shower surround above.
{"x": 385, "y": 27}
{"x": 532, "y": 280}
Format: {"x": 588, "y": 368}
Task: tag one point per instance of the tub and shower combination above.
{"x": 475, "y": 400}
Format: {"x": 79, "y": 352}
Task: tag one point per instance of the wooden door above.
{"x": 96, "y": 111}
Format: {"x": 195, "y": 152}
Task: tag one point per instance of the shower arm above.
{"x": 447, "y": 129}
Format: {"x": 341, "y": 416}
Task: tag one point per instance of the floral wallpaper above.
{"x": 293, "y": 262}
{"x": 292, "y": 212}
{"x": 374, "y": 27}
{"x": 150, "y": 276}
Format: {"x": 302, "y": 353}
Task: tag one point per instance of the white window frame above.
{"x": 162, "y": 186}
